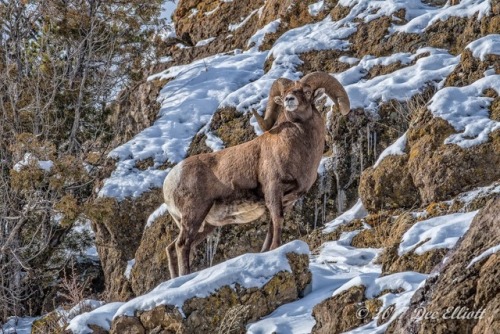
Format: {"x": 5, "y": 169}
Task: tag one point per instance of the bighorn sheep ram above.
{"x": 235, "y": 185}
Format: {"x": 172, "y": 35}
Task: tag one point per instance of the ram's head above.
{"x": 298, "y": 98}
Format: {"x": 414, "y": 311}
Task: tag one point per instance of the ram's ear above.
{"x": 318, "y": 93}
{"x": 278, "y": 100}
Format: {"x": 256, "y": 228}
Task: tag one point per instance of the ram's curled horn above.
{"x": 332, "y": 87}
{"x": 272, "y": 110}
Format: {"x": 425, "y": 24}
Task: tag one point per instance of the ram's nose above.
{"x": 289, "y": 98}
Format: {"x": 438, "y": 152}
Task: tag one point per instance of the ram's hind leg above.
{"x": 188, "y": 236}
{"x": 269, "y": 238}
{"x": 183, "y": 247}
{"x": 173, "y": 266}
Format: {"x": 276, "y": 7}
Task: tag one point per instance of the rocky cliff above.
{"x": 420, "y": 149}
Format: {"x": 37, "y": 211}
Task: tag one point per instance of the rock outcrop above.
{"x": 340, "y": 313}
{"x": 232, "y": 299}
{"x": 432, "y": 170}
{"x": 429, "y": 173}
{"x": 440, "y": 171}
{"x": 118, "y": 229}
{"x": 463, "y": 298}
{"x": 389, "y": 185}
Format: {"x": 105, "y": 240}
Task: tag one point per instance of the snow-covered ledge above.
{"x": 249, "y": 286}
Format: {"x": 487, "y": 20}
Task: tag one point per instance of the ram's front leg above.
{"x": 274, "y": 203}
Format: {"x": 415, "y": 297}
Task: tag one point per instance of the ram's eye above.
{"x": 308, "y": 93}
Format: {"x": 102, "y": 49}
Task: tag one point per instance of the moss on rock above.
{"x": 218, "y": 311}
{"x": 388, "y": 186}
{"x": 441, "y": 171}
{"x": 231, "y": 126}
{"x": 461, "y": 284}
{"x": 342, "y": 312}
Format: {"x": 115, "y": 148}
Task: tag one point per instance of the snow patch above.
{"x": 101, "y": 317}
{"x": 467, "y": 111}
{"x": 236, "y": 26}
{"x": 487, "y": 45}
{"x": 421, "y": 16}
{"x": 214, "y": 142}
{"x": 30, "y": 159}
{"x": 160, "y": 211}
{"x": 86, "y": 304}
{"x": 205, "y": 41}
{"x": 324, "y": 35}
{"x": 469, "y": 196}
{"x": 194, "y": 11}
{"x": 397, "y": 148}
{"x": 408, "y": 281}
{"x": 248, "y": 270}
{"x": 212, "y": 11}
{"x": 258, "y": 38}
{"x": 483, "y": 255}
{"x": 84, "y": 227}
{"x": 17, "y": 325}
{"x": 128, "y": 269}
{"x": 399, "y": 85}
{"x": 315, "y": 8}
{"x": 358, "y": 211}
{"x": 438, "y": 232}
{"x": 348, "y": 60}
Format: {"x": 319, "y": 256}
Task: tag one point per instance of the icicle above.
{"x": 323, "y": 220}
{"x": 361, "y": 157}
{"x": 341, "y": 201}
{"x": 368, "y": 138}
{"x": 211, "y": 246}
{"x": 315, "y": 214}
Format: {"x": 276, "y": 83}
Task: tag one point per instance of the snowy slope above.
{"x": 337, "y": 265}
{"x": 187, "y": 104}
{"x": 336, "y": 268}
{"x": 197, "y": 90}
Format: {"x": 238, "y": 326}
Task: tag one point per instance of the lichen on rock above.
{"x": 340, "y": 313}
{"x": 461, "y": 285}
{"x": 218, "y": 309}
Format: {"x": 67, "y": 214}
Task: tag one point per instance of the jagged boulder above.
{"x": 151, "y": 263}
{"x": 467, "y": 284}
{"x": 432, "y": 171}
{"x": 389, "y": 185}
{"x": 201, "y": 20}
{"x": 136, "y": 109}
{"x": 341, "y": 313}
{"x": 118, "y": 229}
{"x": 441, "y": 171}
